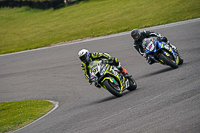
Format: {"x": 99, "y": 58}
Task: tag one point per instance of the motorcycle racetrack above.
{"x": 166, "y": 100}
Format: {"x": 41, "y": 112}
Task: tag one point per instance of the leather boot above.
{"x": 123, "y": 71}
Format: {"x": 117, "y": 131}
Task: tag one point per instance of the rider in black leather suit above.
{"x": 140, "y": 36}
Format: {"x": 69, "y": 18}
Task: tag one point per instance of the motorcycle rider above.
{"x": 140, "y": 36}
{"x": 87, "y": 57}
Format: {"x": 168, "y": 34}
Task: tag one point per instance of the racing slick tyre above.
{"x": 133, "y": 84}
{"x": 112, "y": 88}
{"x": 180, "y": 60}
{"x": 168, "y": 61}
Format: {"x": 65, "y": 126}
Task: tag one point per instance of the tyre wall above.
{"x": 40, "y": 4}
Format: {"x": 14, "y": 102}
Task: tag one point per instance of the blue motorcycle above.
{"x": 161, "y": 52}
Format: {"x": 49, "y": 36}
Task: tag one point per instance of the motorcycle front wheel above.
{"x": 168, "y": 61}
{"x": 115, "y": 90}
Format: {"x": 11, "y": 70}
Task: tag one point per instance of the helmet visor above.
{"x": 84, "y": 58}
{"x": 136, "y": 36}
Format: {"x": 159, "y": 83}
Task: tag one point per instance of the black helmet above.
{"x": 135, "y": 33}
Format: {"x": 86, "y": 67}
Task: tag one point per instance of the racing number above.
{"x": 95, "y": 70}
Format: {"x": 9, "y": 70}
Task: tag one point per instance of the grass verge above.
{"x": 14, "y": 115}
{"x": 26, "y": 28}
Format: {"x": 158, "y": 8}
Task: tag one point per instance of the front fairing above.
{"x": 113, "y": 75}
{"x": 97, "y": 70}
{"x": 100, "y": 71}
{"x": 160, "y": 46}
{"x": 150, "y": 45}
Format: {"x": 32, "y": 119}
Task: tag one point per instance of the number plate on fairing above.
{"x": 150, "y": 46}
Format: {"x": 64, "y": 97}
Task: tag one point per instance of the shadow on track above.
{"x": 111, "y": 97}
{"x": 102, "y": 101}
{"x": 156, "y": 73}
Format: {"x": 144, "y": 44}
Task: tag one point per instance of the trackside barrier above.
{"x": 39, "y": 4}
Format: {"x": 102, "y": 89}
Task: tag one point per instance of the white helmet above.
{"x": 84, "y": 55}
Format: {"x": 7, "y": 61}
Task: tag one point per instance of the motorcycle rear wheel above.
{"x": 112, "y": 89}
{"x": 168, "y": 61}
{"x": 133, "y": 84}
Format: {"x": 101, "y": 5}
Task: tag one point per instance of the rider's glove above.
{"x": 162, "y": 38}
{"x": 159, "y": 38}
{"x": 90, "y": 81}
{"x": 105, "y": 61}
{"x": 111, "y": 60}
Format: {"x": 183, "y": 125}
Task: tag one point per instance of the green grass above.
{"x": 25, "y": 28}
{"x": 14, "y": 115}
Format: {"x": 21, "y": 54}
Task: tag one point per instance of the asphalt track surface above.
{"x": 166, "y": 101}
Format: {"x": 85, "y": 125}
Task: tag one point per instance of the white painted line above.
{"x": 113, "y": 35}
{"x": 174, "y": 24}
{"x": 153, "y": 98}
{"x": 56, "y": 104}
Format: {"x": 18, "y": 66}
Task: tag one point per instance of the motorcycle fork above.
{"x": 174, "y": 56}
{"x": 112, "y": 80}
{"x": 156, "y": 58}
